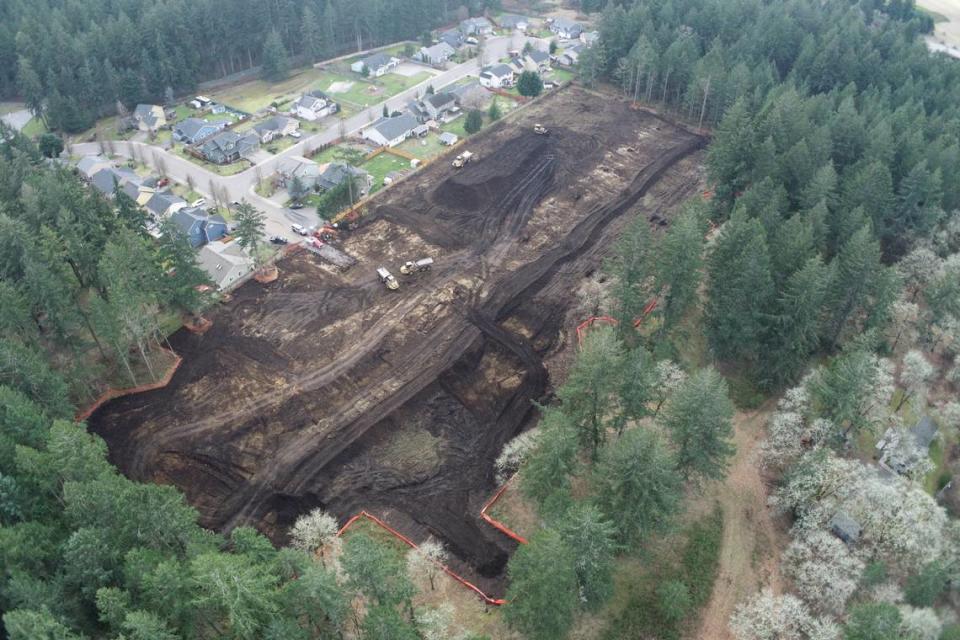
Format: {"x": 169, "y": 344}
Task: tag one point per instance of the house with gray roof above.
{"x": 275, "y": 127}
{"x": 904, "y": 451}
{"x": 228, "y": 146}
{"x": 337, "y": 172}
{"x": 108, "y": 179}
{"x": 476, "y": 27}
{"x": 149, "y": 117}
{"x": 436, "y": 106}
{"x": 164, "y": 203}
{"x": 307, "y": 171}
{"x": 570, "y": 55}
{"x": 470, "y": 95}
{"x": 537, "y": 61}
{"x": 513, "y": 21}
{"x": 313, "y": 105}
{"x": 389, "y": 132}
{"x": 497, "y": 76}
{"x": 566, "y": 29}
{"x": 378, "y": 64}
{"x": 225, "y": 263}
{"x": 195, "y": 130}
{"x": 452, "y": 37}
{"x": 437, "y": 54}
{"x": 198, "y": 226}
{"x": 845, "y": 527}
{"x": 448, "y": 139}
{"x": 89, "y": 165}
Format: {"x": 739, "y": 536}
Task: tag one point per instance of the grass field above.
{"x": 425, "y": 148}
{"x": 381, "y": 165}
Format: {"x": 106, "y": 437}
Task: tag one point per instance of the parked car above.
{"x": 278, "y": 240}
{"x": 298, "y": 229}
{"x": 296, "y": 134}
{"x": 199, "y": 203}
{"x": 296, "y": 205}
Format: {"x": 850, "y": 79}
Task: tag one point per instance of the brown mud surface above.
{"x": 324, "y": 389}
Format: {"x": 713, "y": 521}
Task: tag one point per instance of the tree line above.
{"x": 72, "y": 60}
{"x": 835, "y": 152}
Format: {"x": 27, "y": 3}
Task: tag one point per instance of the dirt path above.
{"x": 750, "y": 557}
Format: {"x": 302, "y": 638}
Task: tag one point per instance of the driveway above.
{"x": 240, "y": 186}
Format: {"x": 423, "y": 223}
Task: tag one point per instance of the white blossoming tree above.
{"x": 315, "y": 532}
{"x": 915, "y": 376}
{"x": 513, "y": 455}
{"x": 824, "y": 571}
{"x": 766, "y": 616}
{"x": 424, "y": 561}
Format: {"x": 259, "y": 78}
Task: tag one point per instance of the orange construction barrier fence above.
{"x": 410, "y": 543}
{"x": 496, "y": 524}
{"x": 111, "y": 393}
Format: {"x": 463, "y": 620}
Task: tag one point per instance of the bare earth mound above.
{"x": 324, "y": 389}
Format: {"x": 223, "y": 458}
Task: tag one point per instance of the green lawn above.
{"x": 426, "y": 148}
{"x": 342, "y": 153}
{"x": 560, "y": 75}
{"x": 34, "y": 128}
{"x": 456, "y": 127}
{"x": 381, "y": 165}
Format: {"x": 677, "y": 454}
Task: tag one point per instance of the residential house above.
{"x": 313, "y": 106}
{"x": 452, "y": 37}
{"x": 570, "y": 55}
{"x": 228, "y": 146}
{"x": 163, "y": 203}
{"x": 437, "y": 54}
{"x": 275, "y": 127}
{"x": 307, "y": 171}
{"x": 476, "y": 27}
{"x": 90, "y": 165}
{"x": 390, "y": 132}
{"x": 589, "y": 38}
{"x": 538, "y": 61}
{"x": 149, "y": 117}
{"x": 335, "y": 173}
{"x": 513, "y": 21}
{"x": 497, "y": 76}
{"x": 470, "y": 95}
{"x": 517, "y": 63}
{"x": 195, "y": 130}
{"x": 378, "y": 64}
{"x": 225, "y": 263}
{"x": 566, "y": 29}
{"x": 437, "y": 106}
{"x": 198, "y": 226}
{"x": 108, "y": 179}
{"x": 448, "y": 139}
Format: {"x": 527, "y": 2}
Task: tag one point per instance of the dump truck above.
{"x": 462, "y": 159}
{"x": 387, "y": 279}
{"x": 541, "y": 130}
{"x": 424, "y": 264}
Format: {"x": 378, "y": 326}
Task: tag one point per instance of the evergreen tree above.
{"x": 474, "y": 121}
{"x": 530, "y": 84}
{"x": 274, "y": 58}
{"x": 542, "y": 595}
{"x": 250, "y": 226}
{"x": 549, "y": 467}
{"x": 591, "y": 538}
{"x": 678, "y": 265}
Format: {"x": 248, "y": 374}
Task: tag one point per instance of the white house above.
{"x": 313, "y": 105}
{"x": 225, "y": 263}
{"x": 378, "y": 64}
{"x": 389, "y": 132}
{"x": 497, "y": 76}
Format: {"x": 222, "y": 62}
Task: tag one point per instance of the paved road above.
{"x": 240, "y": 185}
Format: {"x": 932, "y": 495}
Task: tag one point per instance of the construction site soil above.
{"x": 323, "y": 389}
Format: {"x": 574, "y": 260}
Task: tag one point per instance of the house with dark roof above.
{"x": 537, "y": 61}
{"x": 199, "y": 227}
{"x": 149, "y": 117}
{"x": 448, "y": 139}
{"x": 378, "y": 64}
{"x": 163, "y": 203}
{"x": 470, "y": 95}
{"x": 275, "y": 127}
{"x": 566, "y": 29}
{"x": 336, "y": 173}
{"x": 476, "y": 27}
{"x": 389, "y": 132}
{"x": 195, "y": 130}
{"x": 228, "y": 146}
{"x": 904, "y": 450}
{"x": 513, "y": 21}
{"x": 452, "y": 37}
{"x": 307, "y": 171}
{"x": 845, "y": 527}
{"x": 437, "y": 54}
{"x": 570, "y": 55}
{"x": 313, "y": 105}
{"x": 437, "y": 106}
{"x": 497, "y": 76}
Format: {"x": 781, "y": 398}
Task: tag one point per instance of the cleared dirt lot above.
{"x": 324, "y": 389}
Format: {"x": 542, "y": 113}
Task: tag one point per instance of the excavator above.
{"x": 541, "y": 130}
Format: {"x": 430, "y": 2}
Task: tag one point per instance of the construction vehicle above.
{"x": 424, "y": 264}
{"x": 326, "y": 233}
{"x": 387, "y": 279}
{"x": 541, "y": 130}
{"x": 462, "y": 159}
